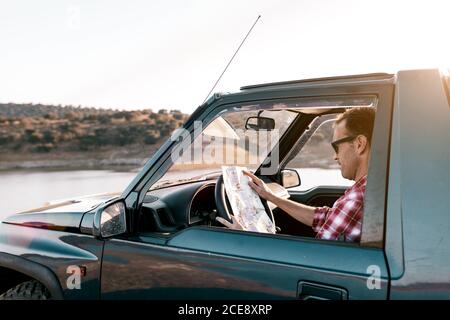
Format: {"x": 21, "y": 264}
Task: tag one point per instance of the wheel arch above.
{"x": 14, "y": 270}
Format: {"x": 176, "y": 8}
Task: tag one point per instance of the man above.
{"x": 351, "y": 142}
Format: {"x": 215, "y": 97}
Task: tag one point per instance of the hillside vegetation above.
{"x": 44, "y": 132}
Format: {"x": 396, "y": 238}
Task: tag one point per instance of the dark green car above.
{"x": 159, "y": 239}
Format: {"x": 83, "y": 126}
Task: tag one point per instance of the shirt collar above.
{"x": 358, "y": 184}
{"x": 362, "y": 181}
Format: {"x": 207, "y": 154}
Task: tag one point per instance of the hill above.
{"x": 15, "y": 110}
{"x": 55, "y": 133}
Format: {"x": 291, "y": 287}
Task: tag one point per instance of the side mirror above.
{"x": 290, "y": 178}
{"x": 260, "y": 123}
{"x": 110, "y": 220}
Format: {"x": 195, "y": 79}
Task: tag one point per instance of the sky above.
{"x": 168, "y": 54}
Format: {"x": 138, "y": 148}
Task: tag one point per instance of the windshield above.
{"x": 227, "y": 141}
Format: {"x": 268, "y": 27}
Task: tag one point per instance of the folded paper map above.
{"x": 245, "y": 202}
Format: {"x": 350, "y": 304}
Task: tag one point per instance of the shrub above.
{"x": 45, "y": 147}
{"x": 152, "y": 136}
{"x": 35, "y": 137}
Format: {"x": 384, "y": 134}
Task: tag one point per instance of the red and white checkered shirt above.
{"x": 344, "y": 218}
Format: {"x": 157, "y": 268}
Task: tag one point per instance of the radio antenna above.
{"x": 231, "y": 59}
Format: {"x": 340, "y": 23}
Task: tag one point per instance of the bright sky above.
{"x": 169, "y": 53}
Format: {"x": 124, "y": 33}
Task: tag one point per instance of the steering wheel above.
{"x": 223, "y": 205}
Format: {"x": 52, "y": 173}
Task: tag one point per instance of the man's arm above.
{"x": 300, "y": 212}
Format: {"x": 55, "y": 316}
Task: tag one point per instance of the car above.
{"x": 159, "y": 238}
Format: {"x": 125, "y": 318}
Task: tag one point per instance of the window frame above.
{"x": 376, "y": 192}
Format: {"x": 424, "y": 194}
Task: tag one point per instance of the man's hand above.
{"x": 300, "y": 212}
{"x": 235, "y": 225}
{"x": 259, "y": 186}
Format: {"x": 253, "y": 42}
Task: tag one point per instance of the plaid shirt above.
{"x": 343, "y": 220}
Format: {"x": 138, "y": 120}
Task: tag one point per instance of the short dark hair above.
{"x": 359, "y": 120}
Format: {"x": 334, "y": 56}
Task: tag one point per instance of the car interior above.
{"x": 170, "y": 208}
{"x": 174, "y": 208}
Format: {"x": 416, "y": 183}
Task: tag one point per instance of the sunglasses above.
{"x": 335, "y": 144}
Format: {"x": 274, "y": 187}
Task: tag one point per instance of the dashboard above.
{"x": 174, "y": 208}
{"x": 202, "y": 209}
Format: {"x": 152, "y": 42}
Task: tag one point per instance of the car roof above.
{"x": 289, "y": 88}
{"x": 368, "y": 77}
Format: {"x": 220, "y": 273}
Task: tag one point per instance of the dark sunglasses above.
{"x": 335, "y": 144}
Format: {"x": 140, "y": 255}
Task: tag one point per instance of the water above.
{"x": 23, "y": 190}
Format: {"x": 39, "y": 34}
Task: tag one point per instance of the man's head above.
{"x": 351, "y": 141}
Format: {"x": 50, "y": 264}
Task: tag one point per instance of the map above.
{"x": 245, "y": 202}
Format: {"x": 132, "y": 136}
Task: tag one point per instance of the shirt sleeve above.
{"x": 320, "y": 215}
{"x": 340, "y": 218}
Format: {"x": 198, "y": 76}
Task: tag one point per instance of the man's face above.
{"x": 346, "y": 155}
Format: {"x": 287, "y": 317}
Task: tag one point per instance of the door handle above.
{"x": 314, "y": 291}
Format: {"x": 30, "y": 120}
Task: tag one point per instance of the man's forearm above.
{"x": 300, "y": 212}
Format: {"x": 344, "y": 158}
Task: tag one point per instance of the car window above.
{"x": 229, "y": 140}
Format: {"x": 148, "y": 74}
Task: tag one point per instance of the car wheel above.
{"x": 30, "y": 290}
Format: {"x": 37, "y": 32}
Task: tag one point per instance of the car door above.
{"x": 217, "y": 263}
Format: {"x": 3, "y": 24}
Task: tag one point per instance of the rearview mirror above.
{"x": 290, "y": 178}
{"x": 260, "y": 123}
{"x": 110, "y": 220}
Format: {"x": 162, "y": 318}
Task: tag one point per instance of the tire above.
{"x": 30, "y": 290}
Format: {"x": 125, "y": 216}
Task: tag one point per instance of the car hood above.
{"x": 63, "y": 215}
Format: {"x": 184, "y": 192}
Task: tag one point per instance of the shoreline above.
{"x": 84, "y": 164}
{"x": 131, "y": 156}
